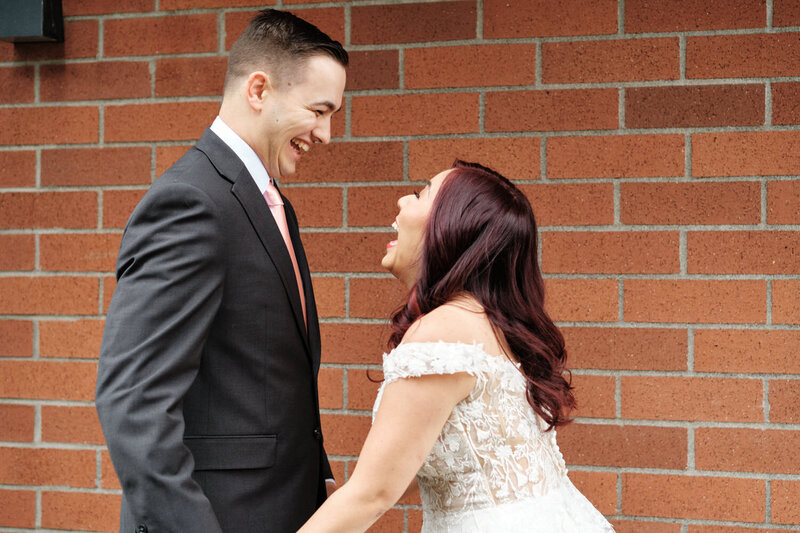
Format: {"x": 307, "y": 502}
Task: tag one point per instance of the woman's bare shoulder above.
{"x": 461, "y": 320}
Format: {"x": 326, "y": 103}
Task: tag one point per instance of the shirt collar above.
{"x": 248, "y": 156}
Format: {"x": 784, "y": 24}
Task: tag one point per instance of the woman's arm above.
{"x": 410, "y": 417}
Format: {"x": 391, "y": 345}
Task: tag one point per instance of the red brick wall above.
{"x": 658, "y": 142}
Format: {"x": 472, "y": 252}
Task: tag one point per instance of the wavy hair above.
{"x": 480, "y": 238}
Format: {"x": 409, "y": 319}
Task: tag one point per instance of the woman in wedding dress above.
{"x": 473, "y": 385}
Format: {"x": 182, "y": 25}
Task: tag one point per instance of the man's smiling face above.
{"x": 297, "y": 113}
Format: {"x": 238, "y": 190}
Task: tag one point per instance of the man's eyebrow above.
{"x": 332, "y": 108}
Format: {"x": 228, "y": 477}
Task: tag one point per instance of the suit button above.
{"x": 317, "y": 434}
{"x": 141, "y": 528}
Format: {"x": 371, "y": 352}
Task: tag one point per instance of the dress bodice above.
{"x": 493, "y": 451}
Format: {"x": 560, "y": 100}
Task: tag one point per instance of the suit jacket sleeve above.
{"x": 170, "y": 275}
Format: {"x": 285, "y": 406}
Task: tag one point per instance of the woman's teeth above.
{"x": 300, "y": 146}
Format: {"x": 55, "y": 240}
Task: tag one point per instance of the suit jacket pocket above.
{"x": 233, "y": 452}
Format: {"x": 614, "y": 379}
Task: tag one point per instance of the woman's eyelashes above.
{"x": 416, "y": 194}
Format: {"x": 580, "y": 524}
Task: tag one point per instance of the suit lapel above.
{"x": 246, "y": 192}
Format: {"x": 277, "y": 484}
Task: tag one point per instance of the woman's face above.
{"x": 402, "y": 253}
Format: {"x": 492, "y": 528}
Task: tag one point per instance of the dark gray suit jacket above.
{"x": 207, "y": 382}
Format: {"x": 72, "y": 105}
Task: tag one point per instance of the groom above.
{"x": 207, "y": 382}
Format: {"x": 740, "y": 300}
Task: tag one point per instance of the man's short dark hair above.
{"x": 276, "y": 41}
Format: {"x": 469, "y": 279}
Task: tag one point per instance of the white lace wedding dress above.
{"x": 493, "y": 468}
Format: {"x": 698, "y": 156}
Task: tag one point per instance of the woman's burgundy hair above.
{"x": 480, "y": 238}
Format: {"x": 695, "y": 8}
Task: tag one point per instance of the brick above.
{"x": 693, "y": 301}
{"x": 744, "y": 252}
{"x": 783, "y": 394}
{"x": 743, "y": 56}
{"x": 747, "y": 351}
{"x": 408, "y": 23}
{"x": 375, "y": 297}
{"x": 353, "y": 343}
{"x": 48, "y": 295}
{"x": 414, "y": 520}
{"x": 611, "y": 61}
{"x": 546, "y": 110}
{"x": 190, "y": 76}
{"x": 49, "y": 125}
{"x": 582, "y": 300}
{"x": 109, "y": 284}
{"x": 623, "y": 446}
{"x": 594, "y": 396}
{"x": 166, "y": 156}
{"x": 699, "y": 398}
{"x": 571, "y": 204}
{"x": 470, "y": 66}
{"x": 583, "y": 252}
{"x": 346, "y": 252}
{"x": 316, "y": 207}
{"x": 80, "y": 510}
{"x": 362, "y": 388}
{"x": 330, "y": 20}
{"x": 786, "y": 103}
{"x": 746, "y": 153}
{"x": 46, "y": 380}
{"x": 70, "y": 338}
{"x": 118, "y": 206}
{"x": 18, "y": 168}
{"x": 345, "y": 434}
{"x": 48, "y": 210}
{"x": 701, "y": 497}
{"x": 375, "y": 206}
{"x": 167, "y": 5}
{"x": 390, "y": 522}
{"x": 108, "y": 477}
{"x": 160, "y": 35}
{"x": 727, "y": 529}
{"x": 785, "y": 13}
{"x": 19, "y": 252}
{"x": 626, "y": 348}
{"x": 102, "y": 7}
{"x": 17, "y": 338}
{"x": 690, "y": 203}
{"x": 17, "y": 83}
{"x": 329, "y": 295}
{"x": 158, "y": 122}
{"x": 642, "y": 16}
{"x": 414, "y": 114}
{"x": 351, "y": 161}
{"x": 783, "y": 202}
{"x": 784, "y": 301}
{"x": 548, "y": 18}
{"x": 80, "y": 41}
{"x": 615, "y": 156}
{"x": 517, "y": 158}
{"x": 747, "y": 450}
{"x": 18, "y": 423}
{"x": 373, "y": 69}
{"x": 785, "y": 495}
{"x": 43, "y": 466}
{"x": 600, "y": 488}
{"x": 633, "y": 526}
{"x": 79, "y": 252}
{"x": 94, "y": 81}
{"x": 330, "y": 388}
{"x": 18, "y": 508}
{"x": 77, "y": 424}
{"x": 96, "y": 166}
{"x": 694, "y": 106}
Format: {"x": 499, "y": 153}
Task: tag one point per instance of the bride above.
{"x": 473, "y": 387}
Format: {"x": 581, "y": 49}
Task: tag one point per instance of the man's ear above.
{"x": 257, "y": 89}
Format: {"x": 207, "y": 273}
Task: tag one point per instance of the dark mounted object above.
{"x": 30, "y": 21}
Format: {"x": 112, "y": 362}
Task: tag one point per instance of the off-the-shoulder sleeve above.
{"x": 416, "y": 359}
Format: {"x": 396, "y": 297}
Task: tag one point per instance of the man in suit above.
{"x": 207, "y": 382}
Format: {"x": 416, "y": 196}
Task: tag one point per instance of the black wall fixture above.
{"x": 29, "y": 21}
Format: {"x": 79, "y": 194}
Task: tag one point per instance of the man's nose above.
{"x": 322, "y": 133}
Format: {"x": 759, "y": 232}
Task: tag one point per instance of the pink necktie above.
{"x": 275, "y": 203}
